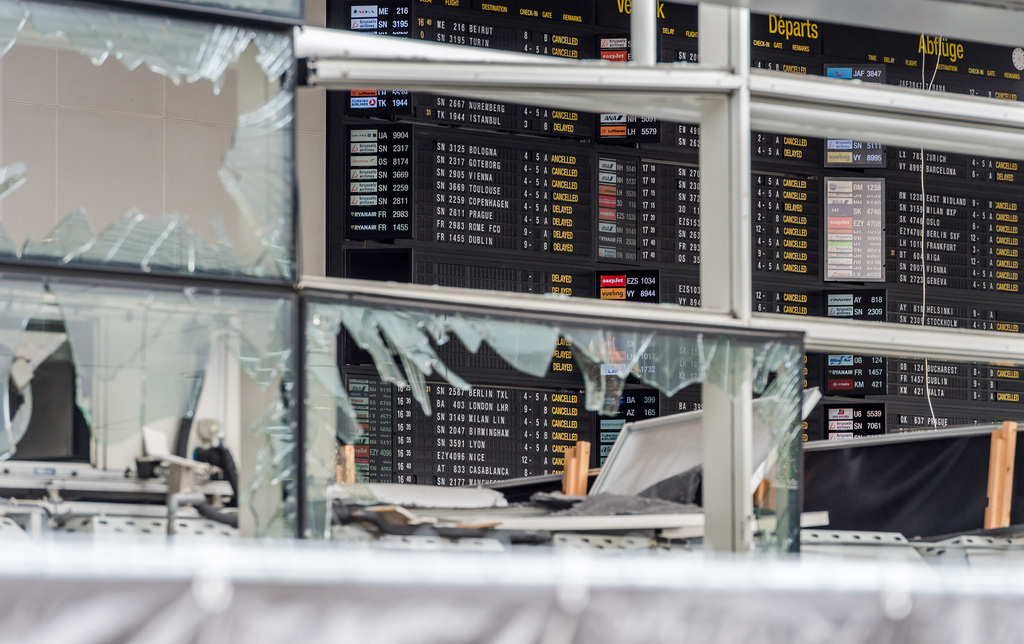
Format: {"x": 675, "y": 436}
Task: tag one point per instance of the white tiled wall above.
{"x": 108, "y": 140}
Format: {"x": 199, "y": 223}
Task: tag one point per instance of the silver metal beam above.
{"x": 820, "y": 334}
{"x": 814, "y": 106}
{"x": 899, "y": 340}
{"x": 643, "y": 32}
{"x": 523, "y": 304}
{"x": 596, "y": 77}
{"x": 320, "y": 43}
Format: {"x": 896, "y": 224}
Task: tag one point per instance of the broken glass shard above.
{"x": 528, "y": 347}
{"x": 253, "y": 176}
{"x": 258, "y": 332}
{"x": 12, "y": 19}
{"x": 328, "y": 405}
{"x": 12, "y": 177}
{"x": 19, "y": 302}
{"x": 179, "y": 50}
{"x": 275, "y": 53}
{"x": 72, "y": 236}
{"x": 274, "y": 471}
{"x": 676, "y": 362}
{"x": 7, "y": 247}
{"x": 149, "y": 352}
{"x": 361, "y": 324}
{"x": 606, "y": 359}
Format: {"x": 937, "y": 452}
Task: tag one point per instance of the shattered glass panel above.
{"x": 330, "y": 416}
{"x": 284, "y": 8}
{"x": 263, "y": 193}
{"x": 13, "y": 17}
{"x": 157, "y": 360}
{"x": 12, "y": 177}
{"x": 454, "y": 399}
{"x": 201, "y": 182}
{"x": 19, "y": 302}
{"x": 606, "y": 359}
{"x": 139, "y": 362}
{"x": 181, "y": 51}
{"x": 71, "y": 237}
{"x": 260, "y": 340}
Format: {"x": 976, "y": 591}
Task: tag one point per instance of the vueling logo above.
{"x": 792, "y": 28}
{"x": 626, "y": 5}
{"x": 939, "y": 46}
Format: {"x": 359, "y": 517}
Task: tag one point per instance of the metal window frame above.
{"x": 729, "y": 100}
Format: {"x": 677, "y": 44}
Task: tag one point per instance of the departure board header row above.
{"x": 674, "y": 19}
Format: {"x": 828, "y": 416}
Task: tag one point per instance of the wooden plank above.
{"x": 345, "y": 466}
{"x": 1002, "y": 453}
{"x": 582, "y": 467}
{"x": 568, "y": 467}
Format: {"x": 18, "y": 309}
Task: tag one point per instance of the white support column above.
{"x": 727, "y": 497}
{"x": 643, "y": 32}
{"x": 725, "y": 276}
{"x": 725, "y": 166}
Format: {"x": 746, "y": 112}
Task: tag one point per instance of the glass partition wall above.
{"x": 147, "y": 261}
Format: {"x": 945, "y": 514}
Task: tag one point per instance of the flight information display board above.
{"x": 486, "y": 433}
{"x": 436, "y": 189}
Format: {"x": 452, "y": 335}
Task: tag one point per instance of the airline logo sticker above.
{"x": 840, "y": 413}
{"x": 845, "y": 384}
{"x": 840, "y": 144}
{"x": 362, "y": 135}
{"x": 362, "y": 200}
{"x": 363, "y": 148}
{"x": 613, "y": 118}
{"x": 370, "y": 161}
{"x": 840, "y": 425}
{"x": 362, "y": 24}
{"x": 614, "y": 43}
{"x": 362, "y": 174}
{"x": 363, "y": 186}
{"x": 840, "y": 360}
{"x": 606, "y": 177}
{"x": 606, "y": 164}
{"x": 845, "y": 299}
{"x": 613, "y": 281}
{"x": 362, "y": 103}
{"x": 364, "y": 11}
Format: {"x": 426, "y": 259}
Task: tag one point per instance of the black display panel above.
{"x": 919, "y": 488}
{"x": 540, "y": 199}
